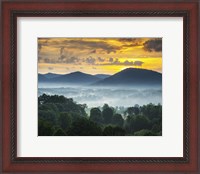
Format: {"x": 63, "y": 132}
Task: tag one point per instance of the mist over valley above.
{"x": 126, "y": 88}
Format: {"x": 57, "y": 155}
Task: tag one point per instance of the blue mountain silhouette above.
{"x": 132, "y": 76}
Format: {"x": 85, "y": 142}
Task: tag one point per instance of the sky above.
{"x": 98, "y": 55}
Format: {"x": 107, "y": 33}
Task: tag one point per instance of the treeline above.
{"x": 61, "y": 116}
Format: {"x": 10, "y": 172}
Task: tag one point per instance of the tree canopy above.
{"x": 61, "y": 116}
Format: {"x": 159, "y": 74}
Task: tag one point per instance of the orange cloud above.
{"x": 98, "y": 55}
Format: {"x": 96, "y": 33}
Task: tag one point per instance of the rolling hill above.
{"x": 127, "y": 77}
{"x": 73, "y": 78}
{"x": 132, "y": 76}
{"x": 42, "y": 78}
{"x": 102, "y": 76}
{"x": 51, "y": 75}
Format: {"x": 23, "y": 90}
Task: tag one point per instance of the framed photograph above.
{"x": 103, "y": 86}
{"x": 106, "y": 86}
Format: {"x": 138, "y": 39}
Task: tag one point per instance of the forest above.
{"x": 61, "y": 116}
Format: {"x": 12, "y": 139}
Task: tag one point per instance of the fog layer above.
{"x": 97, "y": 96}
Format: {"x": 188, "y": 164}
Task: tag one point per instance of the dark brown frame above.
{"x": 182, "y": 8}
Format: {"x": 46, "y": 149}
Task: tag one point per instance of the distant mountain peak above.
{"x": 50, "y": 75}
{"x": 76, "y": 77}
{"x": 131, "y": 77}
{"x": 126, "y": 77}
{"x": 76, "y": 72}
{"x": 137, "y": 69}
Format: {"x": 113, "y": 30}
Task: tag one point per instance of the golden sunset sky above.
{"x": 98, "y": 55}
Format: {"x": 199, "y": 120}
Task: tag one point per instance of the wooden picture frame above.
{"x": 11, "y": 10}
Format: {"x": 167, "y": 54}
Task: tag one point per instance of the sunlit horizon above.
{"x": 52, "y": 72}
{"x": 98, "y": 55}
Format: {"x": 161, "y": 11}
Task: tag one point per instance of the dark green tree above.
{"x": 75, "y": 116}
{"x": 84, "y": 127}
{"x": 107, "y": 114}
{"x": 64, "y": 120}
{"x": 59, "y": 132}
{"x": 47, "y": 115}
{"x": 133, "y": 110}
{"x": 141, "y": 122}
{"x": 130, "y": 110}
{"x": 157, "y": 125}
{"x": 136, "y": 110}
{"x": 105, "y": 106}
{"x": 113, "y": 131}
{"x": 96, "y": 116}
{"x": 117, "y": 120}
{"x": 145, "y": 132}
{"x": 128, "y": 124}
{"x": 49, "y": 107}
{"x": 152, "y": 111}
{"x": 44, "y": 128}
{"x": 136, "y": 123}
{"x": 63, "y": 104}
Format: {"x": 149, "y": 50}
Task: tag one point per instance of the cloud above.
{"x": 101, "y": 59}
{"x": 90, "y": 60}
{"x": 93, "y": 51}
{"x": 50, "y": 68}
{"x": 85, "y": 44}
{"x": 72, "y": 60}
{"x": 128, "y": 62}
{"x": 45, "y": 60}
{"x": 138, "y": 63}
{"x": 42, "y": 59}
{"x": 39, "y": 47}
{"x": 111, "y": 59}
{"x": 153, "y": 45}
{"x": 117, "y": 62}
{"x": 61, "y": 59}
{"x": 62, "y": 50}
{"x": 81, "y": 44}
{"x": 130, "y": 42}
{"x": 67, "y": 57}
{"x": 126, "y": 39}
{"x": 68, "y": 60}
{"x": 131, "y": 45}
{"x": 124, "y": 63}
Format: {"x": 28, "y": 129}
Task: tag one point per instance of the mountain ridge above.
{"x": 129, "y": 76}
{"x": 51, "y": 75}
{"x": 132, "y": 76}
{"x": 102, "y": 76}
{"x": 72, "y": 78}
